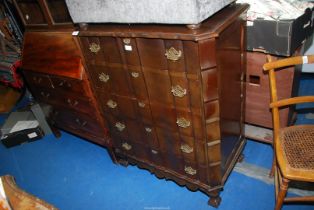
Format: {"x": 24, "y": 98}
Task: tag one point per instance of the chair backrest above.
{"x": 271, "y": 67}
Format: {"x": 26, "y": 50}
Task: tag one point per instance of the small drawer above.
{"x": 45, "y": 95}
{"x": 69, "y": 85}
{"x": 112, "y": 79}
{"x": 174, "y": 119}
{"x": 125, "y": 106}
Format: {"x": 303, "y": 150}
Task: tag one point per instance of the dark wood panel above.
{"x": 258, "y": 94}
{"x": 52, "y": 53}
{"x": 207, "y": 53}
{"x": 152, "y": 53}
{"x": 210, "y": 84}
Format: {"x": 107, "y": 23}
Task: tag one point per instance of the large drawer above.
{"x": 79, "y": 122}
{"x": 57, "y": 83}
{"x": 66, "y": 100}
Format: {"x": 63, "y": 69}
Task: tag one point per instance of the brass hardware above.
{"x": 135, "y": 74}
{"x": 70, "y": 102}
{"x": 111, "y": 104}
{"x": 186, "y": 148}
{"x": 173, "y": 54}
{"x": 78, "y": 121}
{"x": 93, "y": 47}
{"x": 126, "y": 146}
{"x": 120, "y": 126}
{"x": 178, "y": 91}
{"x": 103, "y": 77}
{"x": 189, "y": 170}
{"x": 127, "y": 41}
{"x": 46, "y": 95}
{"x": 154, "y": 152}
{"x": 182, "y": 122}
{"x": 38, "y": 80}
{"x": 148, "y": 130}
{"x": 141, "y": 104}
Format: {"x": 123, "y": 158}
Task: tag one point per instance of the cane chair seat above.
{"x": 296, "y": 144}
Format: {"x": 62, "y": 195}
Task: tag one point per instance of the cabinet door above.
{"x": 59, "y": 11}
{"x": 31, "y": 12}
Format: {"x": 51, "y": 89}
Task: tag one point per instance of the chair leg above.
{"x": 282, "y": 193}
{"x": 272, "y": 170}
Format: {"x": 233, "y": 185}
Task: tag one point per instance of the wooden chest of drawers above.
{"x": 53, "y": 70}
{"x": 173, "y": 97}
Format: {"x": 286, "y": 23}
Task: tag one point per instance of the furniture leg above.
{"x": 214, "y": 198}
{"x": 282, "y": 193}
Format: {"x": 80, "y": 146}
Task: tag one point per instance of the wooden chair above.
{"x": 293, "y": 145}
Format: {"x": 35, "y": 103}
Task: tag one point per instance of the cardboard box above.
{"x": 20, "y": 127}
{"x": 281, "y": 37}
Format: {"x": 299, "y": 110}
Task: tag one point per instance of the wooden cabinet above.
{"x": 54, "y": 72}
{"x": 173, "y": 97}
{"x": 44, "y": 14}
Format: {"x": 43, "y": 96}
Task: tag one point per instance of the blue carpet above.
{"x": 74, "y": 174}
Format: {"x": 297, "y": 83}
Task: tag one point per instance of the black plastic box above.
{"x": 22, "y": 135}
{"x": 279, "y": 37}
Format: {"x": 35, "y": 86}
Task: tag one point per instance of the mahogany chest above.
{"x": 173, "y": 97}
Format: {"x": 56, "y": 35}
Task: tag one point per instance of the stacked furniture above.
{"x": 53, "y": 69}
{"x": 171, "y": 97}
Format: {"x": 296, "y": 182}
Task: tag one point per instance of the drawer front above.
{"x": 75, "y": 102}
{"x": 135, "y": 131}
{"x": 100, "y": 50}
{"x": 126, "y": 107}
{"x": 111, "y": 79}
{"x": 72, "y": 102}
{"x": 69, "y": 85}
{"x": 78, "y": 122}
{"x": 38, "y": 80}
{"x": 130, "y": 148}
{"x": 178, "y": 120}
{"x": 45, "y": 95}
{"x": 174, "y": 55}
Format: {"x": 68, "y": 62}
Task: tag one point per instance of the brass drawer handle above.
{"x": 78, "y": 121}
{"x": 103, "y": 77}
{"x": 38, "y": 80}
{"x": 186, "y": 148}
{"x": 46, "y": 95}
{"x": 72, "y": 103}
{"x": 154, "y": 152}
{"x": 111, "y": 104}
{"x": 94, "y": 48}
{"x": 189, "y": 170}
{"x": 120, "y": 126}
{"x": 62, "y": 83}
{"x": 141, "y": 104}
{"x": 178, "y": 91}
{"x": 173, "y": 54}
{"x": 126, "y": 146}
{"x": 148, "y": 130}
{"x": 135, "y": 74}
{"x": 182, "y": 122}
